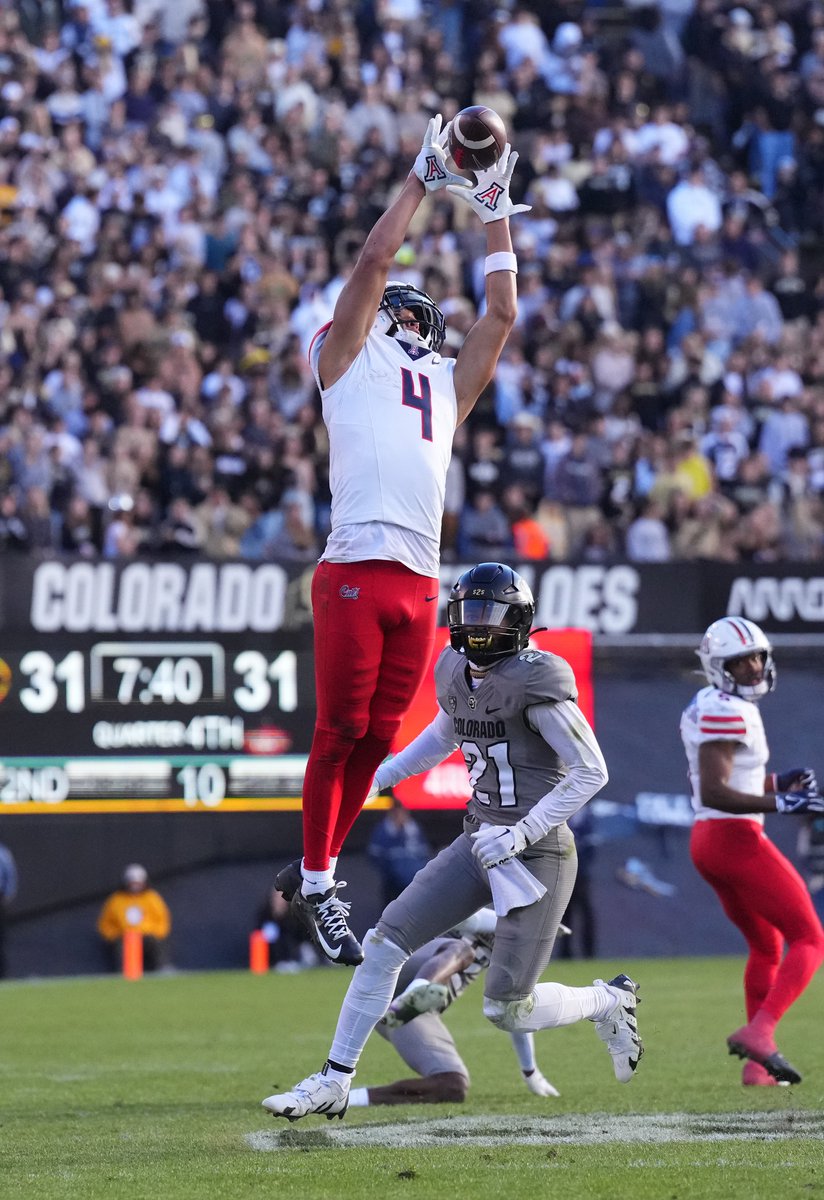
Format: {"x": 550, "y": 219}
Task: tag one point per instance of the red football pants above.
{"x": 765, "y": 897}
{"x": 374, "y": 634}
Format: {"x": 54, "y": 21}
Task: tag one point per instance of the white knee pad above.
{"x": 380, "y": 956}
{"x": 510, "y": 1015}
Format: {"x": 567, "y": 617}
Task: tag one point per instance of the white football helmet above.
{"x": 731, "y": 638}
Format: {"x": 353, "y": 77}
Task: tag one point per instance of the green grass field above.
{"x": 152, "y": 1089}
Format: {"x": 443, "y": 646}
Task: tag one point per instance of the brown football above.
{"x": 477, "y": 138}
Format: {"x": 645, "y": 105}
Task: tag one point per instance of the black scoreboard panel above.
{"x": 150, "y": 687}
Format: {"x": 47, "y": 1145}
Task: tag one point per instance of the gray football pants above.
{"x": 453, "y": 885}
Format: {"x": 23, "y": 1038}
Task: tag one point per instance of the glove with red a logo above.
{"x": 490, "y": 196}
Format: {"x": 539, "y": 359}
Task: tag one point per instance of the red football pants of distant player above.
{"x": 766, "y": 898}
{"x": 374, "y": 634}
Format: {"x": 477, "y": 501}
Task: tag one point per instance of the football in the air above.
{"x": 477, "y": 138}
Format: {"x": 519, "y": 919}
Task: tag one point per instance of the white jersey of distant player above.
{"x": 391, "y": 419}
{"x": 713, "y": 716}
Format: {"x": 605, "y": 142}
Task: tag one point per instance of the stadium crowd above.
{"x": 184, "y": 188}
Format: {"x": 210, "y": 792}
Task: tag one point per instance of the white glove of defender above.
{"x": 430, "y": 165}
{"x": 539, "y": 1085}
{"x": 498, "y": 844}
{"x": 374, "y": 789}
{"x": 490, "y": 196}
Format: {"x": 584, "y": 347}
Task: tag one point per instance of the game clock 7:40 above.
{"x": 144, "y": 674}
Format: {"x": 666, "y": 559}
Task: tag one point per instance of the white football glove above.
{"x": 374, "y": 789}
{"x": 489, "y": 198}
{"x": 496, "y": 844}
{"x": 430, "y": 165}
{"x": 538, "y": 1084}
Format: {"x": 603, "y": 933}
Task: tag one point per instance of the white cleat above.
{"x": 619, "y": 1031}
{"x": 317, "y": 1094}
{"x": 430, "y": 997}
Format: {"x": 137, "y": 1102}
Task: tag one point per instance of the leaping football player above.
{"x": 533, "y": 761}
{"x": 391, "y": 404}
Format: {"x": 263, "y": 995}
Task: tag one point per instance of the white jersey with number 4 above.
{"x": 714, "y": 716}
{"x": 391, "y": 418}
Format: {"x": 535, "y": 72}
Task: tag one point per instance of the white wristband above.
{"x": 503, "y": 260}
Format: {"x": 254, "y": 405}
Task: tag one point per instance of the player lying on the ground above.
{"x": 432, "y": 979}
{"x": 533, "y": 761}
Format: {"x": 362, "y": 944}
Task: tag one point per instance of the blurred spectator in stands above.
{"x": 704, "y": 528}
{"x": 8, "y": 891}
{"x": 577, "y": 486}
{"x": 784, "y": 428}
{"x": 398, "y": 848}
{"x": 290, "y": 949}
{"x": 647, "y": 538}
{"x": 223, "y": 523}
{"x": 482, "y": 462}
{"x": 529, "y": 538}
{"x": 79, "y": 531}
{"x": 523, "y": 460}
{"x": 39, "y": 520}
{"x": 292, "y": 537}
{"x": 485, "y": 534}
{"x": 692, "y": 205}
{"x": 181, "y": 534}
{"x": 760, "y": 534}
{"x": 14, "y": 534}
{"x": 136, "y": 905}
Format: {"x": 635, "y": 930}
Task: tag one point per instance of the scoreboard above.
{"x": 162, "y": 686}
{"x": 153, "y": 686}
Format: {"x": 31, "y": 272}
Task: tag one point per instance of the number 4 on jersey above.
{"x": 422, "y": 402}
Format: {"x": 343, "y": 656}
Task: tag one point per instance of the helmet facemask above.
{"x": 431, "y": 322}
{"x": 489, "y": 613}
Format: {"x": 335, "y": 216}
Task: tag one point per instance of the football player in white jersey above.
{"x": 760, "y": 890}
{"x": 391, "y": 404}
{"x": 533, "y": 761}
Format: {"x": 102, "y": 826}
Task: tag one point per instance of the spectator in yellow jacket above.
{"x": 135, "y": 905}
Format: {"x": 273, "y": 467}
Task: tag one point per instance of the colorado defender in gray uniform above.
{"x": 533, "y": 761}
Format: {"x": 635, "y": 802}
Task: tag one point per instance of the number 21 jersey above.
{"x": 510, "y": 765}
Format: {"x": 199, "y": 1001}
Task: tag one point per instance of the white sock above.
{"x": 342, "y": 1077}
{"x": 524, "y": 1046}
{"x": 359, "y": 1098}
{"x": 556, "y": 1005}
{"x": 367, "y": 998}
{"x": 316, "y": 881}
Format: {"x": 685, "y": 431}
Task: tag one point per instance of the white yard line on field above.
{"x": 588, "y": 1129}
